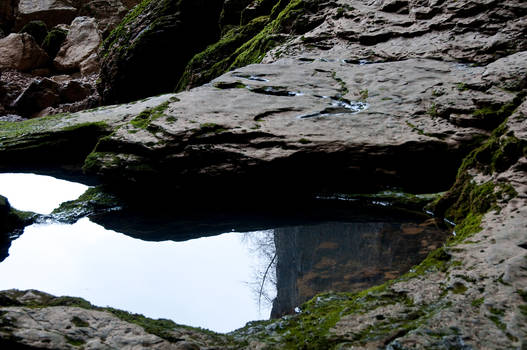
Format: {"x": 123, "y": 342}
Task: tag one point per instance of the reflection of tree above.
{"x": 263, "y": 284}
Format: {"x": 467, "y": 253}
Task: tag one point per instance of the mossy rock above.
{"x": 54, "y": 40}
{"x": 147, "y": 53}
{"x": 37, "y": 29}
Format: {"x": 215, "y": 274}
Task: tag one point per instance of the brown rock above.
{"x": 82, "y": 42}
{"x": 21, "y": 52}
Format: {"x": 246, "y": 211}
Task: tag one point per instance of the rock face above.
{"x": 147, "y": 53}
{"x": 81, "y": 42}
{"x": 388, "y": 123}
{"x": 52, "y": 12}
{"x": 21, "y": 52}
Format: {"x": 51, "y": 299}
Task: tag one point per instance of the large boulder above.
{"x": 82, "y": 41}
{"x": 51, "y": 12}
{"x": 147, "y": 53}
{"x": 21, "y": 52}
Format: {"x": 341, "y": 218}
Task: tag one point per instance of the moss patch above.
{"x": 78, "y": 322}
{"x": 143, "y": 120}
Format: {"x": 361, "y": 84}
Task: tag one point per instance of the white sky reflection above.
{"x": 38, "y": 193}
{"x": 201, "y": 282}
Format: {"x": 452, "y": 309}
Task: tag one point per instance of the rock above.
{"x": 74, "y": 91}
{"x": 41, "y": 93}
{"x": 54, "y": 40}
{"x": 388, "y": 30}
{"x": 107, "y": 13}
{"x": 59, "y": 322}
{"x": 232, "y": 11}
{"x": 51, "y": 12}
{"x": 37, "y": 29}
{"x": 423, "y": 95}
{"x": 90, "y": 65}
{"x": 130, "y": 3}
{"x": 11, "y": 221}
{"x": 11, "y": 118}
{"x": 159, "y": 38}
{"x": 21, "y": 52}
{"x": 81, "y": 42}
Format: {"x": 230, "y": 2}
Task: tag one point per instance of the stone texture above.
{"x": 378, "y": 94}
{"x": 52, "y": 12}
{"x": 81, "y": 43}
{"x": 267, "y": 124}
{"x": 468, "y": 31}
{"x": 65, "y": 327}
{"x": 21, "y": 52}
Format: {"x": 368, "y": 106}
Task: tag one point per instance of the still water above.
{"x": 205, "y": 282}
{"x": 218, "y": 281}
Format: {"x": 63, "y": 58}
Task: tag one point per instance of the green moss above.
{"x": 234, "y": 85}
{"x": 78, "y": 322}
{"x": 459, "y": 288}
{"x": 477, "y": 302}
{"x": 75, "y": 341}
{"x": 143, "y": 120}
{"x": 523, "y": 309}
{"x": 432, "y": 111}
{"x": 121, "y": 32}
{"x": 54, "y": 40}
{"x": 364, "y": 94}
{"x": 522, "y": 294}
{"x": 94, "y": 200}
{"x": 304, "y": 141}
{"x": 37, "y": 29}
{"x": 462, "y": 86}
{"x": 218, "y": 57}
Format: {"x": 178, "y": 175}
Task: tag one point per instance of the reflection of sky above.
{"x": 37, "y": 193}
{"x": 201, "y": 282}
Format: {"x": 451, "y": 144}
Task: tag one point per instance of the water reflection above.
{"x": 188, "y": 265}
{"x": 346, "y": 256}
{"x": 200, "y": 282}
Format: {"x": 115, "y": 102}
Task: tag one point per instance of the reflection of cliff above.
{"x": 345, "y": 256}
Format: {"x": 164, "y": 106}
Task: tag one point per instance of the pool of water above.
{"x": 215, "y": 281}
